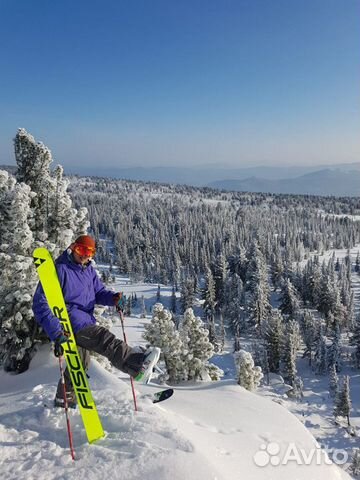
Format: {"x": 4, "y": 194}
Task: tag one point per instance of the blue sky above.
{"x": 246, "y": 82}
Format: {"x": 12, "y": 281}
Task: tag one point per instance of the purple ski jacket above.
{"x": 82, "y": 289}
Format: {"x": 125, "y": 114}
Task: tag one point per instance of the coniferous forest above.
{"x": 250, "y": 263}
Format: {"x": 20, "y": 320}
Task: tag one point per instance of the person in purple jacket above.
{"x": 82, "y": 290}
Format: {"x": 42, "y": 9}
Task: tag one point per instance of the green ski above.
{"x": 49, "y": 280}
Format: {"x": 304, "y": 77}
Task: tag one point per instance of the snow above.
{"x": 213, "y": 431}
{"x": 205, "y": 431}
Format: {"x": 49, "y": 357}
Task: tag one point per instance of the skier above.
{"x": 82, "y": 289}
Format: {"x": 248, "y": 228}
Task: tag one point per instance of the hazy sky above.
{"x": 182, "y": 82}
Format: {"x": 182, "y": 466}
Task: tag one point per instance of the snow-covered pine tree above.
{"x": 64, "y": 222}
{"x": 276, "y": 267}
{"x": 313, "y": 281}
{"x": 337, "y": 264}
{"x": 309, "y": 333}
{"x": 18, "y": 329}
{"x": 329, "y": 298}
{"x": 197, "y": 348}
{"x": 355, "y": 340}
{"x": 175, "y": 266}
{"x": 53, "y": 218}
{"x": 234, "y": 302}
{"x": 40, "y": 213}
{"x": 344, "y": 311}
{"x": 134, "y": 300}
{"x": 298, "y": 387}
{"x": 333, "y": 354}
{"x": 272, "y": 335}
{"x": 290, "y": 346}
{"x": 340, "y": 313}
{"x": 249, "y": 376}
{"x": 173, "y": 300}
{"x": 343, "y": 401}
{"x": 161, "y": 332}
{"x": 237, "y": 344}
{"x": 33, "y": 161}
{"x": 289, "y": 301}
{"x": 219, "y": 269}
{"x": 238, "y": 263}
{"x": 333, "y": 381}
{"x": 349, "y": 315}
{"x": 321, "y": 353}
{"x": 142, "y": 307}
{"x": 260, "y": 356}
{"x": 127, "y": 309}
{"x": 257, "y": 287}
{"x": 222, "y": 332}
{"x": 208, "y": 295}
{"x": 187, "y": 299}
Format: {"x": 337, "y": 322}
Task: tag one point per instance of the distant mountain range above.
{"x": 322, "y": 182}
{"x": 203, "y": 175}
{"x": 338, "y": 180}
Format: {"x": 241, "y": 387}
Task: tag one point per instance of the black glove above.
{"x": 58, "y": 348}
{"x": 119, "y": 301}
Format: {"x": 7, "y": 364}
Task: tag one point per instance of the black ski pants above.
{"x": 96, "y": 338}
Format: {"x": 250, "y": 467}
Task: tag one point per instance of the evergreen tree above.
{"x": 260, "y": 356}
{"x": 64, "y": 222}
{"x": 277, "y": 268}
{"x": 313, "y": 277}
{"x": 290, "y": 347}
{"x": 33, "y": 161}
{"x": 18, "y": 329}
{"x": 234, "y": 304}
{"x": 161, "y": 332}
{"x": 208, "y": 295}
{"x": 187, "y": 294}
{"x": 309, "y": 333}
{"x": 289, "y": 301}
{"x": 298, "y": 387}
{"x": 213, "y": 338}
{"x": 334, "y": 350}
{"x": 237, "y": 344}
{"x": 321, "y": 354}
{"x": 329, "y": 301}
{"x": 33, "y": 212}
{"x": 222, "y": 332}
{"x": 258, "y": 298}
{"x": 333, "y": 381}
{"x": 272, "y": 339}
{"x": 355, "y": 340}
{"x": 173, "y": 300}
{"x": 238, "y": 263}
{"x": 127, "y": 309}
{"x": 197, "y": 346}
{"x": 343, "y": 402}
{"x": 219, "y": 280}
{"x": 249, "y": 376}
{"x": 142, "y": 307}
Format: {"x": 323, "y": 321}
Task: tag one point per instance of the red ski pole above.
{"x": 131, "y": 379}
{"x": 72, "y": 451}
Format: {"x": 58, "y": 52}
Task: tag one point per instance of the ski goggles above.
{"x": 84, "y": 251}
